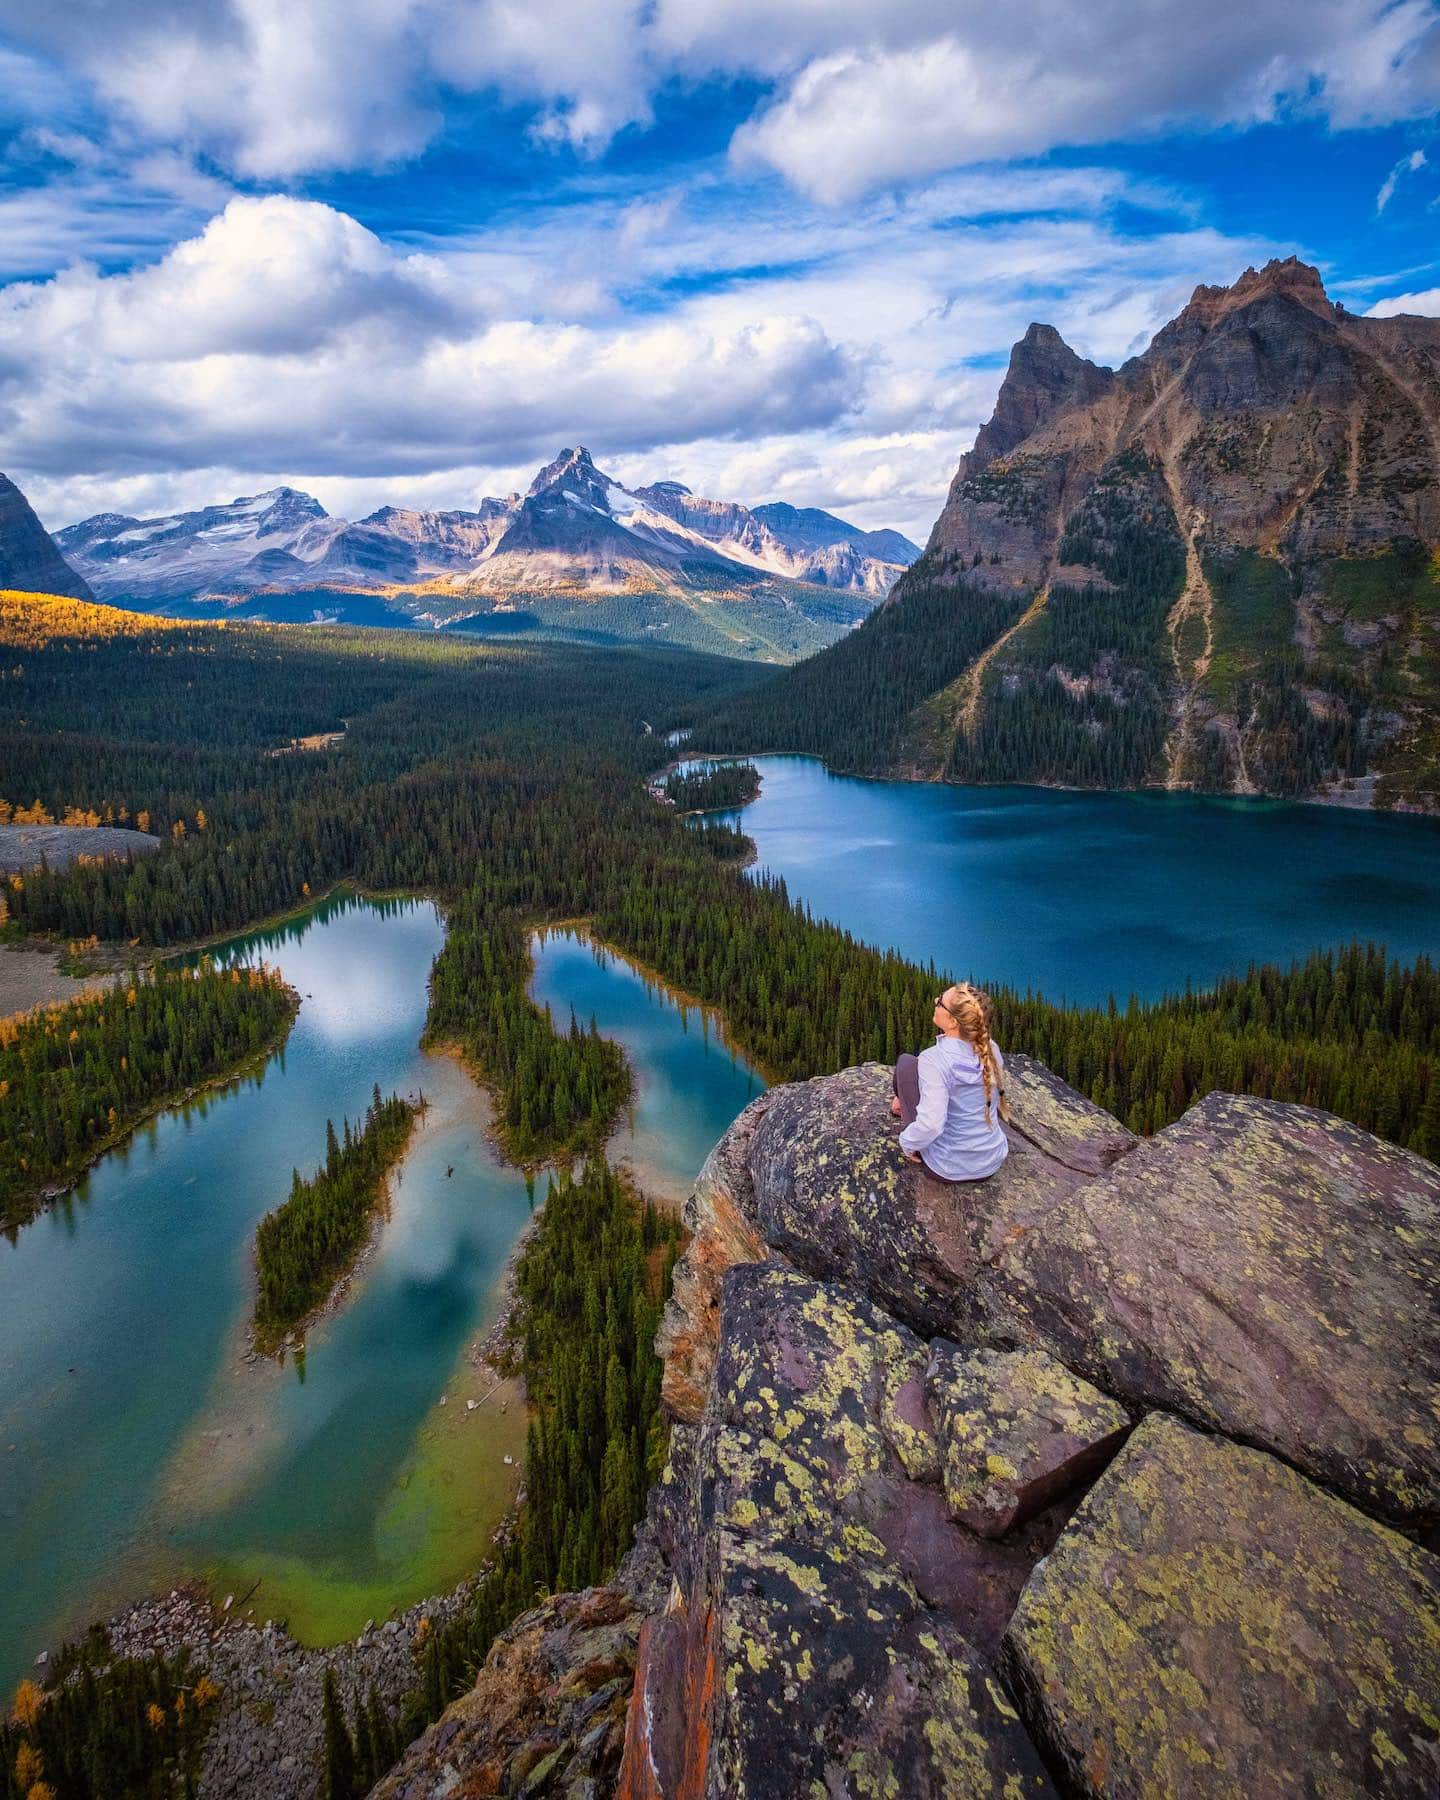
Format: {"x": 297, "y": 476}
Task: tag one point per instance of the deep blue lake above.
{"x": 1082, "y": 895}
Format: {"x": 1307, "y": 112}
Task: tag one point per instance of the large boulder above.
{"x": 1267, "y": 1270}
{"x": 816, "y": 1174}
{"x": 1213, "y": 1625}
{"x": 822, "y": 1632}
{"x": 1016, "y": 1431}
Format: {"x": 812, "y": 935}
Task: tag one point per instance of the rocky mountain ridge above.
{"x": 576, "y": 531}
{"x": 1118, "y": 1476}
{"x": 1214, "y": 567}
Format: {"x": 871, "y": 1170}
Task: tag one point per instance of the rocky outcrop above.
{"x": 939, "y": 1517}
{"x": 816, "y": 1622}
{"x": 547, "y": 1714}
{"x": 916, "y": 1544}
{"x": 1211, "y": 1623}
{"x": 29, "y": 560}
{"x": 830, "y": 1190}
{"x": 1270, "y": 1272}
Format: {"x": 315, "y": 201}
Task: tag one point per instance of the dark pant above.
{"x": 906, "y": 1087}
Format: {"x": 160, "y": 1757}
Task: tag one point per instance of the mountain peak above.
{"x": 1044, "y": 378}
{"x": 576, "y": 463}
{"x": 1287, "y": 276}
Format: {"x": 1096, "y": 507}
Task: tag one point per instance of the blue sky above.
{"x": 406, "y": 249}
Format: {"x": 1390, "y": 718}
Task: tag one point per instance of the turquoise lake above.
{"x": 1083, "y": 895}
{"x": 138, "y": 1447}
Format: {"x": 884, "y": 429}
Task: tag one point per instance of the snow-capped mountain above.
{"x": 576, "y": 532}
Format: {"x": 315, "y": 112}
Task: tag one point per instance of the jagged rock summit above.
{"x": 1260, "y": 492}
{"x": 1116, "y": 1475}
{"x": 29, "y": 560}
{"x": 1216, "y": 567}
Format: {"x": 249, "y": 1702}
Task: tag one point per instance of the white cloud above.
{"x": 1426, "y": 302}
{"x": 288, "y": 336}
{"x": 858, "y": 92}
{"x": 1022, "y": 79}
{"x": 1407, "y": 165}
{"x": 285, "y": 342}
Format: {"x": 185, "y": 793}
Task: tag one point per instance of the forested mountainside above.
{"x": 578, "y": 553}
{"x": 1214, "y": 568}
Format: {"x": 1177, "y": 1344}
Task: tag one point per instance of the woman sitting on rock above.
{"x": 951, "y": 1097}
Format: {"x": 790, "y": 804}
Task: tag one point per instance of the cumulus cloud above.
{"x": 1040, "y": 73}
{"x": 1427, "y": 302}
{"x": 856, "y": 92}
{"x": 283, "y": 341}
{"x": 287, "y": 336}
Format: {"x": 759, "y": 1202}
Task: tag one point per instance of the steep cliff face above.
{"x": 29, "y": 560}
{"x": 1215, "y": 567}
{"x": 1118, "y": 1474}
{"x": 1230, "y": 548}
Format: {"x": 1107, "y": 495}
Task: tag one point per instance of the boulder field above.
{"x": 1115, "y": 1475}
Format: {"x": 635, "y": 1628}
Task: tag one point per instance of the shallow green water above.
{"x": 138, "y": 1448}
{"x": 1081, "y": 895}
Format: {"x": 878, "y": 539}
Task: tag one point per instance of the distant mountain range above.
{"x": 1214, "y": 567}
{"x": 578, "y": 552}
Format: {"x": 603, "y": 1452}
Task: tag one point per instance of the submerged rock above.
{"x": 1212, "y": 1624}
{"x": 1267, "y": 1270}
{"x": 1017, "y": 1430}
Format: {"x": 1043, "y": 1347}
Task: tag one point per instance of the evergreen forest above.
{"x": 712, "y": 786}
{"x": 591, "y": 1284}
{"x": 76, "y": 1079}
{"x": 107, "y": 1728}
{"x": 304, "y": 1246}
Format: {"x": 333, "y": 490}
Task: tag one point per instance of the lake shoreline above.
{"x": 249, "y": 1066}
{"x": 263, "y": 1344}
{"x": 1337, "y": 801}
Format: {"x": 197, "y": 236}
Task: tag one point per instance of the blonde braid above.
{"x": 971, "y": 1011}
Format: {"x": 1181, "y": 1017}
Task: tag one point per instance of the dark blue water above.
{"x": 1081, "y": 895}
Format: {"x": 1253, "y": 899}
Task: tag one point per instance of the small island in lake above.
{"x": 305, "y": 1247}
{"x": 711, "y": 786}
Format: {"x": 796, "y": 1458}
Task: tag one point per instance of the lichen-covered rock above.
{"x": 546, "y": 1715}
{"x": 821, "y": 1636}
{"x": 1016, "y": 1431}
{"x": 832, "y": 1192}
{"x": 1213, "y": 1625}
{"x": 1267, "y": 1270}
{"x": 720, "y": 1217}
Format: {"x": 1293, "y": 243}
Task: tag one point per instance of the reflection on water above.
{"x": 689, "y": 1081}
{"x": 140, "y": 1448}
{"x": 1081, "y": 895}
